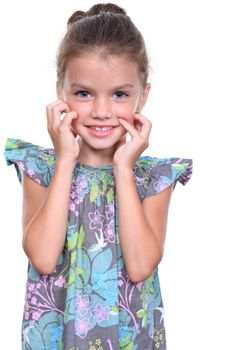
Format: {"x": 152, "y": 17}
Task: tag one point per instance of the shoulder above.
{"x": 37, "y": 162}
{"x": 154, "y": 175}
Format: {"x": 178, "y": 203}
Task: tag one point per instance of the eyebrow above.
{"x": 120, "y": 87}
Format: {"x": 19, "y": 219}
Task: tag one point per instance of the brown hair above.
{"x": 106, "y": 28}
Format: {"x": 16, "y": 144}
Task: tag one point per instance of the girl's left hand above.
{"x": 128, "y": 152}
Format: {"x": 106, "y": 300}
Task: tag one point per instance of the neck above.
{"x": 95, "y": 157}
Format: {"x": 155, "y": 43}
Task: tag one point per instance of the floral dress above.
{"x": 89, "y": 302}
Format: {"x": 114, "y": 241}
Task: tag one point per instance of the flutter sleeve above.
{"x": 35, "y": 161}
{"x": 154, "y": 175}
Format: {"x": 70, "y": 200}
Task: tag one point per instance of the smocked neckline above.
{"x": 82, "y": 167}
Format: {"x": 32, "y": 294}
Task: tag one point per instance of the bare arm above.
{"x": 45, "y": 214}
{"x": 142, "y": 226}
{"x": 45, "y": 211}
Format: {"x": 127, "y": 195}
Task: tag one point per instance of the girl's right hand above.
{"x": 60, "y": 131}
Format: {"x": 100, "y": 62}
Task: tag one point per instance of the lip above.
{"x": 101, "y": 134}
{"x": 101, "y": 126}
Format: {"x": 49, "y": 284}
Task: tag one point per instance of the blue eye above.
{"x": 120, "y": 95}
{"x": 82, "y": 94}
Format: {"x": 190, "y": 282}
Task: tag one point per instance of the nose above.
{"x": 101, "y": 108}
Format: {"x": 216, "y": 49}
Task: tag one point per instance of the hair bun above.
{"x": 95, "y": 10}
{"x": 75, "y": 17}
{"x": 113, "y": 8}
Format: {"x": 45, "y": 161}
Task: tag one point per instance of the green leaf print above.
{"x": 94, "y": 193}
{"x": 129, "y": 346}
{"x": 11, "y": 145}
{"x": 49, "y": 160}
{"x": 114, "y": 310}
{"x": 73, "y": 257}
{"x": 81, "y": 235}
{"x": 72, "y": 277}
{"x": 144, "y": 321}
{"x": 110, "y": 196}
{"x": 140, "y": 313}
{"x": 104, "y": 186}
{"x": 71, "y": 241}
{"x": 180, "y": 166}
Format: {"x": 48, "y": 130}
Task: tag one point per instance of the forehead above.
{"x": 94, "y": 67}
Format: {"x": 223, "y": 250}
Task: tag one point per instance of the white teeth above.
{"x": 101, "y": 129}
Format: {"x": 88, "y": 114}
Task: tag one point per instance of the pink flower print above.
{"x": 109, "y": 233}
{"x": 26, "y": 306}
{"x": 38, "y": 285}
{"x": 120, "y": 283}
{"x": 51, "y": 279}
{"x": 21, "y": 165}
{"x": 60, "y": 281}
{"x": 31, "y": 287}
{"x": 81, "y": 182}
{"x": 82, "y": 185}
{"x": 72, "y": 206}
{"x": 79, "y": 200}
{"x": 162, "y": 184}
{"x": 109, "y": 211}
{"x": 96, "y": 220}
{"x": 38, "y": 181}
{"x": 139, "y": 285}
{"x": 73, "y": 202}
{"x": 26, "y": 315}
{"x": 140, "y": 180}
{"x": 34, "y": 300}
{"x": 36, "y": 315}
{"x": 72, "y": 195}
{"x": 31, "y": 172}
{"x": 83, "y": 304}
{"x": 32, "y": 323}
{"x": 101, "y": 313}
{"x": 82, "y": 327}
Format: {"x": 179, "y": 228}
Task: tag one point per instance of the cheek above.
{"x": 81, "y": 112}
{"x": 82, "y": 109}
{"x": 126, "y": 113}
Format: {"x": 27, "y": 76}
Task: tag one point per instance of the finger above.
{"x": 130, "y": 128}
{"x": 55, "y": 103}
{"x": 145, "y": 125}
{"x": 54, "y": 112}
{"x": 49, "y": 108}
{"x": 138, "y": 125}
{"x": 66, "y": 124}
{"x": 122, "y": 141}
{"x": 68, "y": 118}
{"x": 123, "y": 138}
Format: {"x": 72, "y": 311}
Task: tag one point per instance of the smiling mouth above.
{"x": 101, "y": 131}
{"x": 104, "y": 128}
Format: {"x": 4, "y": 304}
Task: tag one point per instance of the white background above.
{"x": 190, "y": 45}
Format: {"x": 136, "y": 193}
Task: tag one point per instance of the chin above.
{"x": 101, "y": 146}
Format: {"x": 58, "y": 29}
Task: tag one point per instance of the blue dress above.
{"x": 89, "y": 302}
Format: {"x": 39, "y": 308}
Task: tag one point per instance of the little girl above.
{"x": 95, "y": 210}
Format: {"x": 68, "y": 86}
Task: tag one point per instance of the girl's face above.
{"x": 101, "y": 91}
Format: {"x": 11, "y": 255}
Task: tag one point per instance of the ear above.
{"x": 143, "y": 97}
